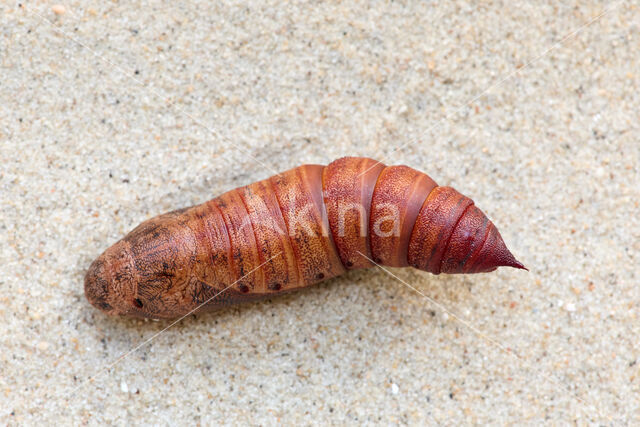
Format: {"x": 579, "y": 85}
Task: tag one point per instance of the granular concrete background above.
{"x": 114, "y": 112}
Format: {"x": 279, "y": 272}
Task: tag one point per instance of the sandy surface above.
{"x": 113, "y": 112}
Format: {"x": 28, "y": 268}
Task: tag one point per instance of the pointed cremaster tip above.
{"x": 518, "y": 264}
{"x": 494, "y": 254}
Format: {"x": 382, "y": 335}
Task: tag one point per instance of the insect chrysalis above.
{"x": 290, "y": 231}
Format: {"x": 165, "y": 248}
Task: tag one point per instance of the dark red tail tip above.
{"x": 492, "y": 254}
{"x": 504, "y": 256}
{"x": 517, "y": 264}
{"x": 475, "y": 246}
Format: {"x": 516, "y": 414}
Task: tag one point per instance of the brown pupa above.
{"x": 290, "y": 231}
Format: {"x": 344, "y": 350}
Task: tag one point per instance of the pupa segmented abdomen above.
{"x": 290, "y": 231}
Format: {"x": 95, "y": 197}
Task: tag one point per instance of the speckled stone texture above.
{"x": 114, "y": 112}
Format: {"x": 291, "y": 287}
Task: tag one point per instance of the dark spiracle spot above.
{"x": 349, "y": 264}
{"x": 275, "y": 286}
{"x": 104, "y": 305}
{"x": 244, "y": 289}
{"x": 377, "y": 260}
{"x": 137, "y": 302}
{"x": 320, "y": 276}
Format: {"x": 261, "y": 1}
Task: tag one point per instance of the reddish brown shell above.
{"x": 289, "y": 231}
